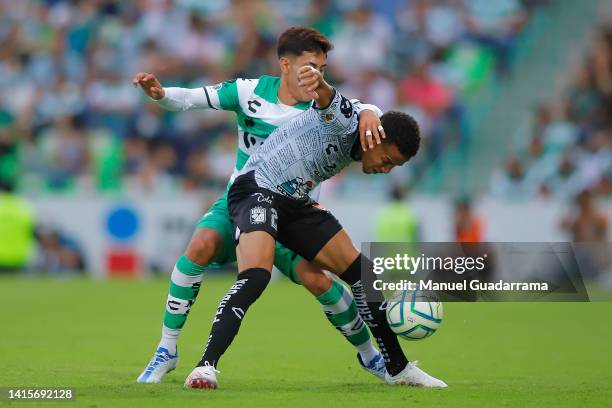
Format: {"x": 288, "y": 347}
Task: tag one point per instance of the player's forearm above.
{"x": 339, "y": 115}
{"x": 325, "y": 94}
{"x": 182, "y": 99}
{"x": 360, "y": 107}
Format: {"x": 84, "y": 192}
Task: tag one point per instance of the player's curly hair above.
{"x": 298, "y": 39}
{"x": 403, "y": 131}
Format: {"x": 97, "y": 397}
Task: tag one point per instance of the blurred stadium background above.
{"x": 514, "y": 98}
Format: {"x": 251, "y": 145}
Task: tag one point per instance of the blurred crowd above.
{"x": 70, "y": 119}
{"x": 569, "y": 143}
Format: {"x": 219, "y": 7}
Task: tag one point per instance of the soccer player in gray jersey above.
{"x": 269, "y": 202}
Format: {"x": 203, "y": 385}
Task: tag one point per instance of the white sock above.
{"x": 367, "y": 351}
{"x": 169, "y": 339}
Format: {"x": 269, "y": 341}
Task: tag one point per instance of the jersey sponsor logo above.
{"x": 296, "y": 187}
{"x": 254, "y": 102}
{"x": 258, "y": 215}
{"x": 249, "y": 142}
{"x": 261, "y": 198}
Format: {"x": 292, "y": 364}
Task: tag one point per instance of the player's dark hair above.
{"x": 298, "y": 39}
{"x": 403, "y": 131}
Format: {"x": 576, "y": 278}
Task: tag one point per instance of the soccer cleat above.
{"x": 375, "y": 367}
{"x": 162, "y": 363}
{"x": 202, "y": 377}
{"x": 414, "y": 376}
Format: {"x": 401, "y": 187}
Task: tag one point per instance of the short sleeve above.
{"x": 340, "y": 116}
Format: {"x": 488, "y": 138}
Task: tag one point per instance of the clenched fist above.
{"x": 310, "y": 79}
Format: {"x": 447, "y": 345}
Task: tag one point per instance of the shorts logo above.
{"x": 258, "y": 215}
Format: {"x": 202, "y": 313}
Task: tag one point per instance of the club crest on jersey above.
{"x": 258, "y": 215}
{"x": 327, "y": 117}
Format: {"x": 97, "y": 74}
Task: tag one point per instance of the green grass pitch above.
{"x": 96, "y": 336}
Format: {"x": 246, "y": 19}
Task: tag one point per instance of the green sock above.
{"x": 341, "y": 310}
{"x": 184, "y": 287}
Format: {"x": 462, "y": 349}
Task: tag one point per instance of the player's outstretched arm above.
{"x": 173, "y": 99}
{"x": 223, "y": 96}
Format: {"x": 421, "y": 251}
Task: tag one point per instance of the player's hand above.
{"x": 371, "y": 131}
{"x": 310, "y": 80}
{"x": 150, "y": 85}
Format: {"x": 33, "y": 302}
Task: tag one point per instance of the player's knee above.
{"x": 255, "y": 250}
{"x": 314, "y": 280}
{"x": 203, "y": 246}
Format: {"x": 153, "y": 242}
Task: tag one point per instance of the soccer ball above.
{"x": 414, "y": 315}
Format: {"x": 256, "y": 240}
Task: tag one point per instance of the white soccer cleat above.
{"x": 375, "y": 367}
{"x": 415, "y": 377}
{"x": 162, "y": 363}
{"x": 202, "y": 377}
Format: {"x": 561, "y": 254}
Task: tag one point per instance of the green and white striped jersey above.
{"x": 257, "y": 108}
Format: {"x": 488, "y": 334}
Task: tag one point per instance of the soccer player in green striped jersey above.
{"x": 261, "y": 105}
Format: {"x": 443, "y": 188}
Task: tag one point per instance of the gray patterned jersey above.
{"x": 307, "y": 150}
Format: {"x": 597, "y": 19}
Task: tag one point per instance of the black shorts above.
{"x": 299, "y": 224}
